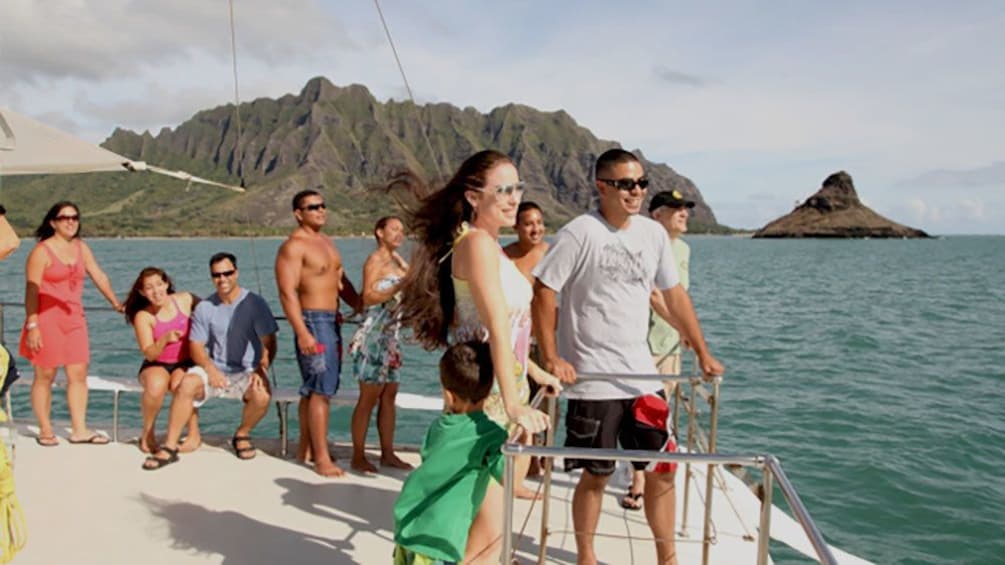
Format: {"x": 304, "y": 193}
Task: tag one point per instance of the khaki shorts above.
{"x": 239, "y": 383}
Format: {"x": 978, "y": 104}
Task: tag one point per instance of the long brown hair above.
{"x": 428, "y": 303}
{"x": 135, "y": 301}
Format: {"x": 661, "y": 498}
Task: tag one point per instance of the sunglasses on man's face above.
{"x": 222, "y": 274}
{"x": 314, "y": 207}
{"x": 626, "y": 184}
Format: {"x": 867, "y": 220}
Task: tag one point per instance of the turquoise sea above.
{"x": 873, "y": 369}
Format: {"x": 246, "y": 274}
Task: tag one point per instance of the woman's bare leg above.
{"x": 41, "y": 400}
{"x": 386, "y": 416}
{"x": 155, "y": 381}
{"x": 485, "y": 535}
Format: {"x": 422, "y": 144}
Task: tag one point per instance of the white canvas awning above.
{"x": 29, "y": 147}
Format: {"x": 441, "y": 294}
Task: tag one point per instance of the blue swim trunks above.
{"x": 321, "y": 371}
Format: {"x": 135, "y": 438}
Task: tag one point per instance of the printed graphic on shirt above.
{"x": 621, "y": 265}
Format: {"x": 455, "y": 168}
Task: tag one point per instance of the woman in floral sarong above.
{"x": 374, "y": 349}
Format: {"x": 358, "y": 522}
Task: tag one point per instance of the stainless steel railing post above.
{"x": 706, "y": 544}
{"x": 549, "y": 463}
{"x": 800, "y": 513}
{"x": 764, "y": 531}
{"x": 508, "y": 478}
{"x": 689, "y": 404}
{"x": 115, "y": 416}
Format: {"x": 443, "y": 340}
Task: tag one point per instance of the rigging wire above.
{"x": 239, "y": 158}
{"x": 408, "y": 89}
{"x": 237, "y": 98}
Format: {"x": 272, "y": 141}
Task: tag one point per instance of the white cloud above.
{"x": 744, "y": 99}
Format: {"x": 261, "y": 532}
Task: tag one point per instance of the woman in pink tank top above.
{"x": 55, "y": 330}
{"x": 160, "y": 317}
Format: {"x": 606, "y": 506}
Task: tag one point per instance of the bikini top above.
{"x": 173, "y": 352}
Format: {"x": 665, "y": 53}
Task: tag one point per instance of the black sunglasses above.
{"x": 627, "y": 184}
{"x": 314, "y": 207}
{"x": 223, "y": 274}
{"x": 73, "y": 218}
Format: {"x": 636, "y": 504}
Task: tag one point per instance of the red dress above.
{"x": 60, "y": 314}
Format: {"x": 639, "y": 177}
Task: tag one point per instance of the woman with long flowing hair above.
{"x": 461, "y": 286}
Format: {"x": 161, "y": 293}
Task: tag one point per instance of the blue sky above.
{"x": 756, "y": 102}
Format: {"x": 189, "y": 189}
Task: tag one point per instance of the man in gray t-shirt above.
{"x": 606, "y": 265}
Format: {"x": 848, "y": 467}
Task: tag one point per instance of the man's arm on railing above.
{"x": 544, "y": 315}
{"x": 682, "y": 310}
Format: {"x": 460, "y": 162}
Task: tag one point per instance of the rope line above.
{"x": 239, "y": 164}
{"x": 408, "y": 89}
{"x": 238, "y": 157}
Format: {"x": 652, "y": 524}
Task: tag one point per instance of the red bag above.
{"x": 652, "y": 410}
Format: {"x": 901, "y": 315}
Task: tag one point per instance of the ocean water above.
{"x": 873, "y": 369}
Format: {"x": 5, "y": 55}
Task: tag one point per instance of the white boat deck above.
{"x": 94, "y": 504}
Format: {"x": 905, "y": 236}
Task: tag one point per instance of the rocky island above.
{"x": 835, "y": 211}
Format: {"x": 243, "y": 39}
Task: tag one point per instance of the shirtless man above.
{"x": 310, "y": 278}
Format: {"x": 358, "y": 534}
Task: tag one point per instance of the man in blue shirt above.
{"x": 232, "y": 342}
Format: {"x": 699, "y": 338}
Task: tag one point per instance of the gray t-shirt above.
{"x": 605, "y": 277}
{"x": 232, "y": 333}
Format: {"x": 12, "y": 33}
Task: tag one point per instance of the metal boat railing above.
{"x": 282, "y": 397}
{"x": 701, "y": 450}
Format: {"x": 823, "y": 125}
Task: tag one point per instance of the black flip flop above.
{"x": 635, "y": 503}
{"x": 47, "y": 441}
{"x": 161, "y": 463}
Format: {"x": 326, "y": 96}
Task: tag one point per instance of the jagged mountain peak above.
{"x": 343, "y": 141}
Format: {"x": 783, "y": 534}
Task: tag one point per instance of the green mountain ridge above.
{"x": 339, "y": 140}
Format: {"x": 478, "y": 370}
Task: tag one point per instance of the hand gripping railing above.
{"x": 769, "y": 466}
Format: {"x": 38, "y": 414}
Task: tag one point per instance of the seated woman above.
{"x": 160, "y": 317}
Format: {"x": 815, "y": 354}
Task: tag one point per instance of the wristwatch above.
{"x": 31, "y": 325}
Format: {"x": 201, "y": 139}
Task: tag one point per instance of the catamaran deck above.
{"x": 93, "y": 504}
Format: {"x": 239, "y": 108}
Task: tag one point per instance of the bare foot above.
{"x": 190, "y": 444}
{"x": 396, "y": 462}
{"x": 148, "y": 443}
{"x": 362, "y": 465}
{"x": 308, "y": 459}
{"x": 89, "y": 438}
{"x": 330, "y": 470}
{"x": 526, "y": 494}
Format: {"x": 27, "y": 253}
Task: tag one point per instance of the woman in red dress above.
{"x": 55, "y": 330}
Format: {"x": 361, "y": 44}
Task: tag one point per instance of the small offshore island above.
{"x": 835, "y": 211}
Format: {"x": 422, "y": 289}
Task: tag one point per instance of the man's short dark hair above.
{"x": 466, "y": 371}
{"x": 525, "y": 206}
{"x": 298, "y": 198}
{"x": 612, "y": 158}
{"x": 223, "y": 255}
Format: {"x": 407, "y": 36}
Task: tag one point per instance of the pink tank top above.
{"x": 177, "y": 351}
